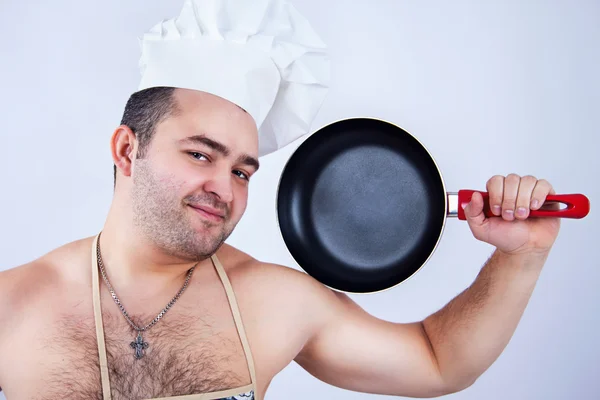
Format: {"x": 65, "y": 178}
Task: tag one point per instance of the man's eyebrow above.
{"x": 249, "y": 160}
{"x": 222, "y": 149}
{"x": 213, "y": 144}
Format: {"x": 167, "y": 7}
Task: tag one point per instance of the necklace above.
{"x": 139, "y": 345}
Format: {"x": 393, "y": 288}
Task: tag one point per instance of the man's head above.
{"x": 182, "y": 162}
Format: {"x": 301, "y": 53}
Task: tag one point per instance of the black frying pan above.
{"x": 362, "y": 205}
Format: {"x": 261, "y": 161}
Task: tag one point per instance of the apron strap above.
{"x": 104, "y": 378}
{"x": 237, "y": 317}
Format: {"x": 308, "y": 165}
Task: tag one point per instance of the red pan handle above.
{"x": 578, "y": 205}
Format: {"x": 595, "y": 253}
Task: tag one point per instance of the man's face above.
{"x": 191, "y": 188}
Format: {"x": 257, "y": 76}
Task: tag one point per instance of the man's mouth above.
{"x": 209, "y": 213}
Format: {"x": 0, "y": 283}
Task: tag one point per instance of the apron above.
{"x": 247, "y": 392}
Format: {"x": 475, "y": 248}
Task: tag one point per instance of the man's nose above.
{"x": 220, "y": 184}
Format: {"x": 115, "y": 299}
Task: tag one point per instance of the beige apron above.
{"x": 240, "y": 391}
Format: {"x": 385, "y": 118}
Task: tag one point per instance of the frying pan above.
{"x": 362, "y": 205}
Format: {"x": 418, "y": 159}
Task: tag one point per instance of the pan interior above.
{"x": 361, "y": 205}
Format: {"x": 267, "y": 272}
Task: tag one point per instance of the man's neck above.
{"x": 134, "y": 263}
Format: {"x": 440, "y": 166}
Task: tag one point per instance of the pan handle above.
{"x": 577, "y": 205}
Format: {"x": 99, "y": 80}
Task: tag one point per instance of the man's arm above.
{"x": 470, "y": 333}
{"x": 450, "y": 349}
{"x": 443, "y": 354}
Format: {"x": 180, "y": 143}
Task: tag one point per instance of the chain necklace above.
{"x": 138, "y": 345}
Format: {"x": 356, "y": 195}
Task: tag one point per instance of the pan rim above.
{"x": 444, "y": 191}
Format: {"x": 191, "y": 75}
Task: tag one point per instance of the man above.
{"x": 163, "y": 307}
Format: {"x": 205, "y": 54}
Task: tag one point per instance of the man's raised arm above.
{"x": 450, "y": 349}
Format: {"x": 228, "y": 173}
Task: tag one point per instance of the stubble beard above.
{"x": 165, "y": 220}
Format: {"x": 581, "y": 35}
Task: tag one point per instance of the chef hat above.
{"x": 259, "y": 54}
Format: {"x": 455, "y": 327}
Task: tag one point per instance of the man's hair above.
{"x": 144, "y": 111}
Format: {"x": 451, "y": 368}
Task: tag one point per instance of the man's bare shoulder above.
{"x": 24, "y": 285}
{"x": 50, "y": 262}
{"x": 246, "y": 271}
{"x": 276, "y": 288}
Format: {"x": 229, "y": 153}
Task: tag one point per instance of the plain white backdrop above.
{"x": 488, "y": 87}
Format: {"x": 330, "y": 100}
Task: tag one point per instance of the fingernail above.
{"x": 521, "y": 211}
{"x": 534, "y": 203}
{"x": 496, "y": 210}
{"x": 508, "y": 213}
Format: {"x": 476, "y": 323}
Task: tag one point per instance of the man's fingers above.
{"x": 509, "y": 197}
{"x": 495, "y": 189}
{"x": 540, "y": 191}
{"x": 513, "y": 197}
{"x": 524, "y": 196}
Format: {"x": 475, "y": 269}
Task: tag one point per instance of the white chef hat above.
{"x": 259, "y": 54}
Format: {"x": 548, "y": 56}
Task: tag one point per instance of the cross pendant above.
{"x": 139, "y": 346}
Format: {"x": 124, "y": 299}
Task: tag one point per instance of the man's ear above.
{"x": 123, "y": 145}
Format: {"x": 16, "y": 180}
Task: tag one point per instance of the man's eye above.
{"x": 241, "y": 174}
{"x": 197, "y": 156}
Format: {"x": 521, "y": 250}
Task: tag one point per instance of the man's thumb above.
{"x": 474, "y": 212}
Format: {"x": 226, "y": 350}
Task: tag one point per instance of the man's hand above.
{"x": 511, "y": 199}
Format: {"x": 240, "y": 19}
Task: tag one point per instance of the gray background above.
{"x": 488, "y": 87}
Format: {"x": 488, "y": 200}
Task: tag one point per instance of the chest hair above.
{"x": 186, "y": 355}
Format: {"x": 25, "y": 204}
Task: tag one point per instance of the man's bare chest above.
{"x": 183, "y": 354}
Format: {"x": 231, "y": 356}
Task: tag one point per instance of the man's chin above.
{"x": 209, "y": 235}
{"x": 216, "y": 231}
